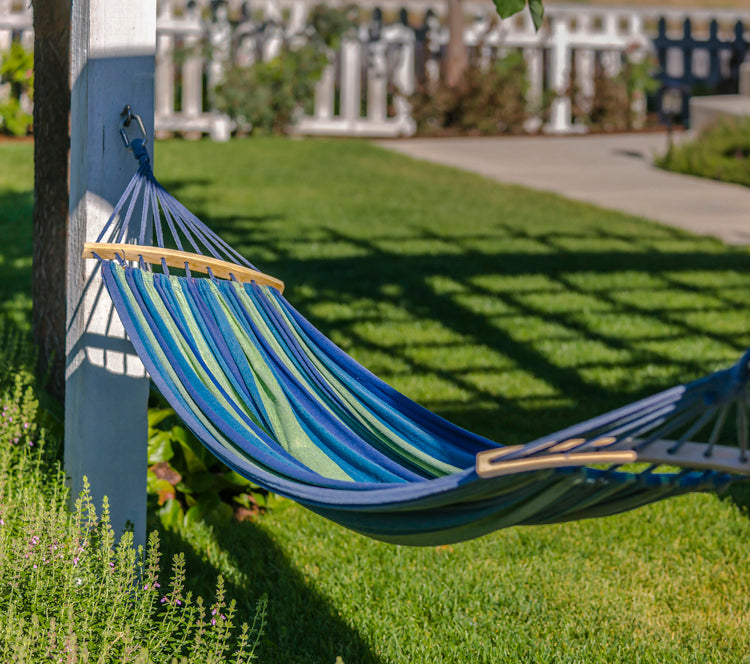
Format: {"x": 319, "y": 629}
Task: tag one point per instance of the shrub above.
{"x": 17, "y": 70}
{"x": 618, "y": 103}
{"x": 69, "y": 592}
{"x": 267, "y": 96}
{"x": 487, "y": 101}
{"x": 721, "y": 152}
{"x": 188, "y": 483}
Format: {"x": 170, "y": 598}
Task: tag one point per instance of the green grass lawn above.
{"x": 512, "y": 313}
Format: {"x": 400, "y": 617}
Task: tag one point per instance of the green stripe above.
{"x": 286, "y": 429}
{"x": 368, "y": 420}
{"x": 165, "y": 366}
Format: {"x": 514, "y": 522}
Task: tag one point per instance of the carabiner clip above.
{"x": 128, "y": 116}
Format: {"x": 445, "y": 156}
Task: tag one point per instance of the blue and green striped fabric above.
{"x": 275, "y": 400}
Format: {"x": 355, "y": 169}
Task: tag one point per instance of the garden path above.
{"x": 613, "y": 171}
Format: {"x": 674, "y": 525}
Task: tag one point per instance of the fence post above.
{"x": 534, "y": 66}
{"x": 220, "y": 39}
{"x": 585, "y": 68}
{"x": 325, "y": 90}
{"x": 404, "y": 79}
{"x": 164, "y": 85}
{"x": 687, "y": 52}
{"x": 113, "y": 48}
{"x": 559, "y": 71}
{"x": 6, "y": 36}
{"x": 376, "y": 82}
{"x": 192, "y": 69}
{"x": 351, "y": 67}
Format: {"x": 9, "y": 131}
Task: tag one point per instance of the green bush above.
{"x": 188, "y": 483}
{"x": 266, "y": 97}
{"x": 721, "y": 152}
{"x": 17, "y": 70}
{"x": 487, "y": 101}
{"x": 618, "y": 103}
{"x": 69, "y": 592}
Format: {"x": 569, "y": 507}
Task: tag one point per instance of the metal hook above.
{"x": 128, "y": 116}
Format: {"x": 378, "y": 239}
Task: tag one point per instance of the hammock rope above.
{"x": 279, "y": 403}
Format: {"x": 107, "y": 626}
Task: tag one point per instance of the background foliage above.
{"x": 267, "y": 96}
{"x": 720, "y": 152}
{"x": 488, "y": 100}
{"x": 17, "y": 71}
{"x": 188, "y": 483}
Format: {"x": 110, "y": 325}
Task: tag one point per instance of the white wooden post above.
{"x": 585, "y": 70}
{"x": 192, "y": 71}
{"x": 535, "y": 68}
{"x": 325, "y": 91}
{"x": 274, "y": 39}
{"x": 6, "y": 36}
{"x": 112, "y": 64}
{"x": 351, "y": 72}
{"x": 377, "y": 90}
{"x": 403, "y": 78}
{"x": 220, "y": 37}
{"x": 246, "y": 43}
{"x": 273, "y": 43}
{"x": 164, "y": 65}
{"x": 585, "y": 60}
{"x": 559, "y": 71}
{"x": 297, "y": 20}
{"x": 27, "y": 33}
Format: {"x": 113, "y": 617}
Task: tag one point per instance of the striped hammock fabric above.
{"x": 279, "y": 403}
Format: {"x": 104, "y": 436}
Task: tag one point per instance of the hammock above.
{"x": 280, "y": 404}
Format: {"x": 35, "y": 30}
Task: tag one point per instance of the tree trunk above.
{"x": 50, "y": 219}
{"x": 457, "y": 59}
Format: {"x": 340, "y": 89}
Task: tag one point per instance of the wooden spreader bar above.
{"x": 177, "y": 259}
{"x": 689, "y": 455}
{"x": 489, "y": 465}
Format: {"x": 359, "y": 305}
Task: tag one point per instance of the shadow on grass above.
{"x": 406, "y": 283}
{"x": 302, "y": 627}
{"x": 469, "y": 288}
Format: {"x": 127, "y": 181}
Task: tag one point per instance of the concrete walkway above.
{"x": 612, "y": 171}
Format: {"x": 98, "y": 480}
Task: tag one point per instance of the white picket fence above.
{"x": 364, "y": 90}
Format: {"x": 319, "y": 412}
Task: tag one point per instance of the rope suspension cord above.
{"x": 211, "y": 254}
{"x": 279, "y": 403}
